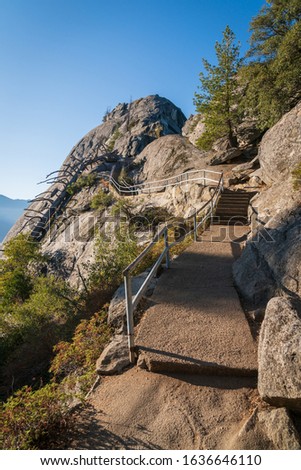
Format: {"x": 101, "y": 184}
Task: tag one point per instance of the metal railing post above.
{"x": 167, "y": 248}
{"x": 129, "y": 316}
{"x": 195, "y": 228}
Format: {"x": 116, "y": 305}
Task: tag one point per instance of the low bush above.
{"x": 112, "y": 256}
{"x": 29, "y": 417}
{"x": 79, "y": 355}
{"x": 101, "y": 200}
{"x": 84, "y": 181}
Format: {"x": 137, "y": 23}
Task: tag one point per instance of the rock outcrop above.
{"x": 65, "y": 223}
{"x": 169, "y": 156}
{"x": 280, "y": 148}
{"x": 279, "y": 354}
{"x": 271, "y": 260}
{"x": 193, "y": 128}
{"x": 123, "y": 134}
{"x": 268, "y": 277}
{"x": 115, "y": 357}
{"x": 267, "y": 429}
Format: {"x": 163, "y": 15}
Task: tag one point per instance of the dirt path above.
{"x": 196, "y": 323}
{"x": 197, "y": 334}
{"x": 141, "y": 410}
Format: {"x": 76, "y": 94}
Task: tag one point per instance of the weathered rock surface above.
{"x": 270, "y": 262}
{"x": 169, "y": 156}
{"x": 269, "y": 429}
{"x": 120, "y": 138}
{"x": 279, "y": 354}
{"x": 115, "y": 357}
{"x": 246, "y": 168}
{"x": 226, "y": 156}
{"x": 280, "y": 148}
{"x": 125, "y": 131}
{"x": 193, "y": 128}
{"x": 247, "y": 133}
{"x": 279, "y": 428}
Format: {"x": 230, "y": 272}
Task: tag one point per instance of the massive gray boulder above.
{"x": 280, "y": 148}
{"x": 169, "y": 156}
{"x": 279, "y": 354}
{"x": 271, "y": 260}
{"x": 115, "y": 357}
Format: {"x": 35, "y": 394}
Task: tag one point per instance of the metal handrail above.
{"x": 131, "y": 301}
{"x": 161, "y": 184}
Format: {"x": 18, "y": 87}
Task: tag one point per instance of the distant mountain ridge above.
{"x": 10, "y": 211}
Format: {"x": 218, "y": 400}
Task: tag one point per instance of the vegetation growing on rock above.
{"x": 101, "y": 200}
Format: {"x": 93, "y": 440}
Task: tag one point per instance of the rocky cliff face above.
{"x": 271, "y": 261}
{"x": 144, "y": 138}
{"x": 269, "y": 267}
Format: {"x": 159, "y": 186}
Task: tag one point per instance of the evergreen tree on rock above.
{"x": 219, "y": 94}
{"x": 272, "y": 79}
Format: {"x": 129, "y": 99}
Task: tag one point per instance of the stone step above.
{"x": 227, "y": 214}
{"x": 231, "y": 221}
{"x": 231, "y": 208}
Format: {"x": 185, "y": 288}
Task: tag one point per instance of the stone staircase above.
{"x": 232, "y": 208}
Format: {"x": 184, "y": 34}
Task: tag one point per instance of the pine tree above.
{"x": 272, "y": 79}
{"x": 219, "y": 94}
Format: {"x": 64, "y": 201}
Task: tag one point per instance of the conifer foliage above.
{"x": 272, "y": 77}
{"x": 218, "y": 96}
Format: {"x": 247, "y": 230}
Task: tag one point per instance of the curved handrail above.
{"x": 191, "y": 176}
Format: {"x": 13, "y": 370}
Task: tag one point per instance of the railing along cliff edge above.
{"x": 131, "y": 301}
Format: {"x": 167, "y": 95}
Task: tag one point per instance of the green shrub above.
{"x": 111, "y": 258}
{"x": 296, "y": 173}
{"x": 29, "y": 417}
{"x": 113, "y": 139}
{"x": 101, "y": 200}
{"x": 79, "y": 355}
{"x": 84, "y": 181}
{"x": 18, "y": 268}
{"x": 50, "y": 302}
{"x": 30, "y": 302}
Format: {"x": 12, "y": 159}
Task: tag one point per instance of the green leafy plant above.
{"x": 84, "y": 181}
{"x": 101, "y": 200}
{"x": 79, "y": 355}
{"x": 18, "y": 268}
{"x": 113, "y": 139}
{"x": 28, "y": 300}
{"x": 29, "y": 417}
{"x": 111, "y": 258}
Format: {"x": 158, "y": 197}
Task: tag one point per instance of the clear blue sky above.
{"x": 64, "y": 62}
